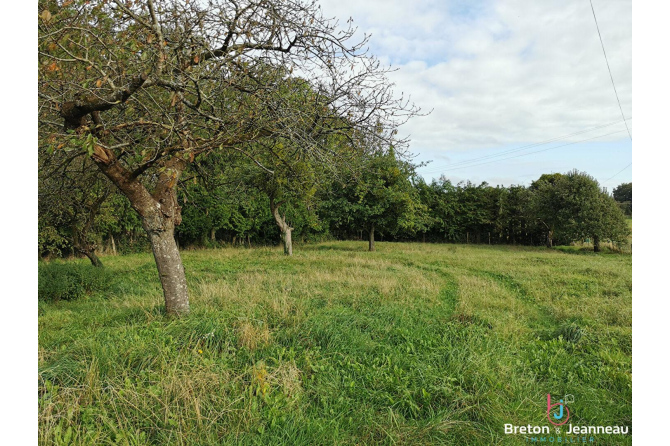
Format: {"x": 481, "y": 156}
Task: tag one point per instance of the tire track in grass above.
{"x": 542, "y": 318}
{"x": 449, "y": 292}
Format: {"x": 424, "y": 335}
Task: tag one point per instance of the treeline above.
{"x": 383, "y": 199}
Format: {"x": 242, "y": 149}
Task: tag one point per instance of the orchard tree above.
{"x": 289, "y": 167}
{"x": 146, "y": 87}
{"x": 607, "y": 222}
{"x": 547, "y": 204}
{"x": 588, "y": 212}
{"x": 288, "y": 184}
{"x": 379, "y": 196}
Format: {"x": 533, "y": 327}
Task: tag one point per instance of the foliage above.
{"x": 588, "y": 212}
{"x": 623, "y": 192}
{"x": 68, "y": 281}
{"x": 380, "y": 196}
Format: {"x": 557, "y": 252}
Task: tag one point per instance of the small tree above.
{"x": 380, "y": 197}
{"x": 290, "y": 183}
{"x": 589, "y": 212}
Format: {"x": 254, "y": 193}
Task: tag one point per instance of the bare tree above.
{"x": 145, "y": 87}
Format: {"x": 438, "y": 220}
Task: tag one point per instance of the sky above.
{"x": 502, "y": 78}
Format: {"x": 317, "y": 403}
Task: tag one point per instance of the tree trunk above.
{"x": 170, "y": 267}
{"x": 94, "y": 258}
{"x": 212, "y": 235}
{"x": 371, "y": 246}
{"x": 284, "y": 227}
{"x": 550, "y": 241}
{"x": 596, "y": 243}
{"x": 89, "y": 251}
{"x": 160, "y": 213}
{"x": 286, "y": 239}
{"x": 111, "y": 236}
{"x": 83, "y": 246}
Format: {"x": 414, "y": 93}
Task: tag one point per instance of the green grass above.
{"x": 414, "y": 344}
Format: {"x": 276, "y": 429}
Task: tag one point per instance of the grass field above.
{"x": 414, "y": 344}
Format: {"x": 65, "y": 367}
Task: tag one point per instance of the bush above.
{"x": 68, "y": 281}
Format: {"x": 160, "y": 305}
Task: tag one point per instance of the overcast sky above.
{"x": 502, "y": 75}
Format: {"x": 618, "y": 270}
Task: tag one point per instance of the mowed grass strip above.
{"x": 412, "y": 344}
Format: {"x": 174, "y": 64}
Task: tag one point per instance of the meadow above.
{"x": 414, "y": 344}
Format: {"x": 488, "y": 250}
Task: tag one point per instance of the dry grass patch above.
{"x": 286, "y": 377}
{"x": 485, "y": 298}
{"x": 252, "y": 334}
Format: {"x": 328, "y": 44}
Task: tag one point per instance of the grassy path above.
{"x": 413, "y": 344}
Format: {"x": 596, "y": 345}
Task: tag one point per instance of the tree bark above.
{"x": 212, "y": 234}
{"x": 550, "y": 241}
{"x": 170, "y": 267}
{"x": 288, "y": 242}
{"x": 596, "y": 243}
{"x": 371, "y": 245}
{"x": 111, "y": 236}
{"x": 284, "y": 227}
{"x": 159, "y": 213}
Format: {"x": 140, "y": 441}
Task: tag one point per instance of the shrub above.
{"x": 68, "y": 281}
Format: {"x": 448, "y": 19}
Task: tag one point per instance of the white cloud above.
{"x": 501, "y": 73}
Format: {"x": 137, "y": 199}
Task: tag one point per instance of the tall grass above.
{"x": 412, "y": 344}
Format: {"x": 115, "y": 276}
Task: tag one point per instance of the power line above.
{"x": 618, "y": 173}
{"x": 608, "y": 68}
{"x": 537, "y": 151}
{"x": 505, "y": 152}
